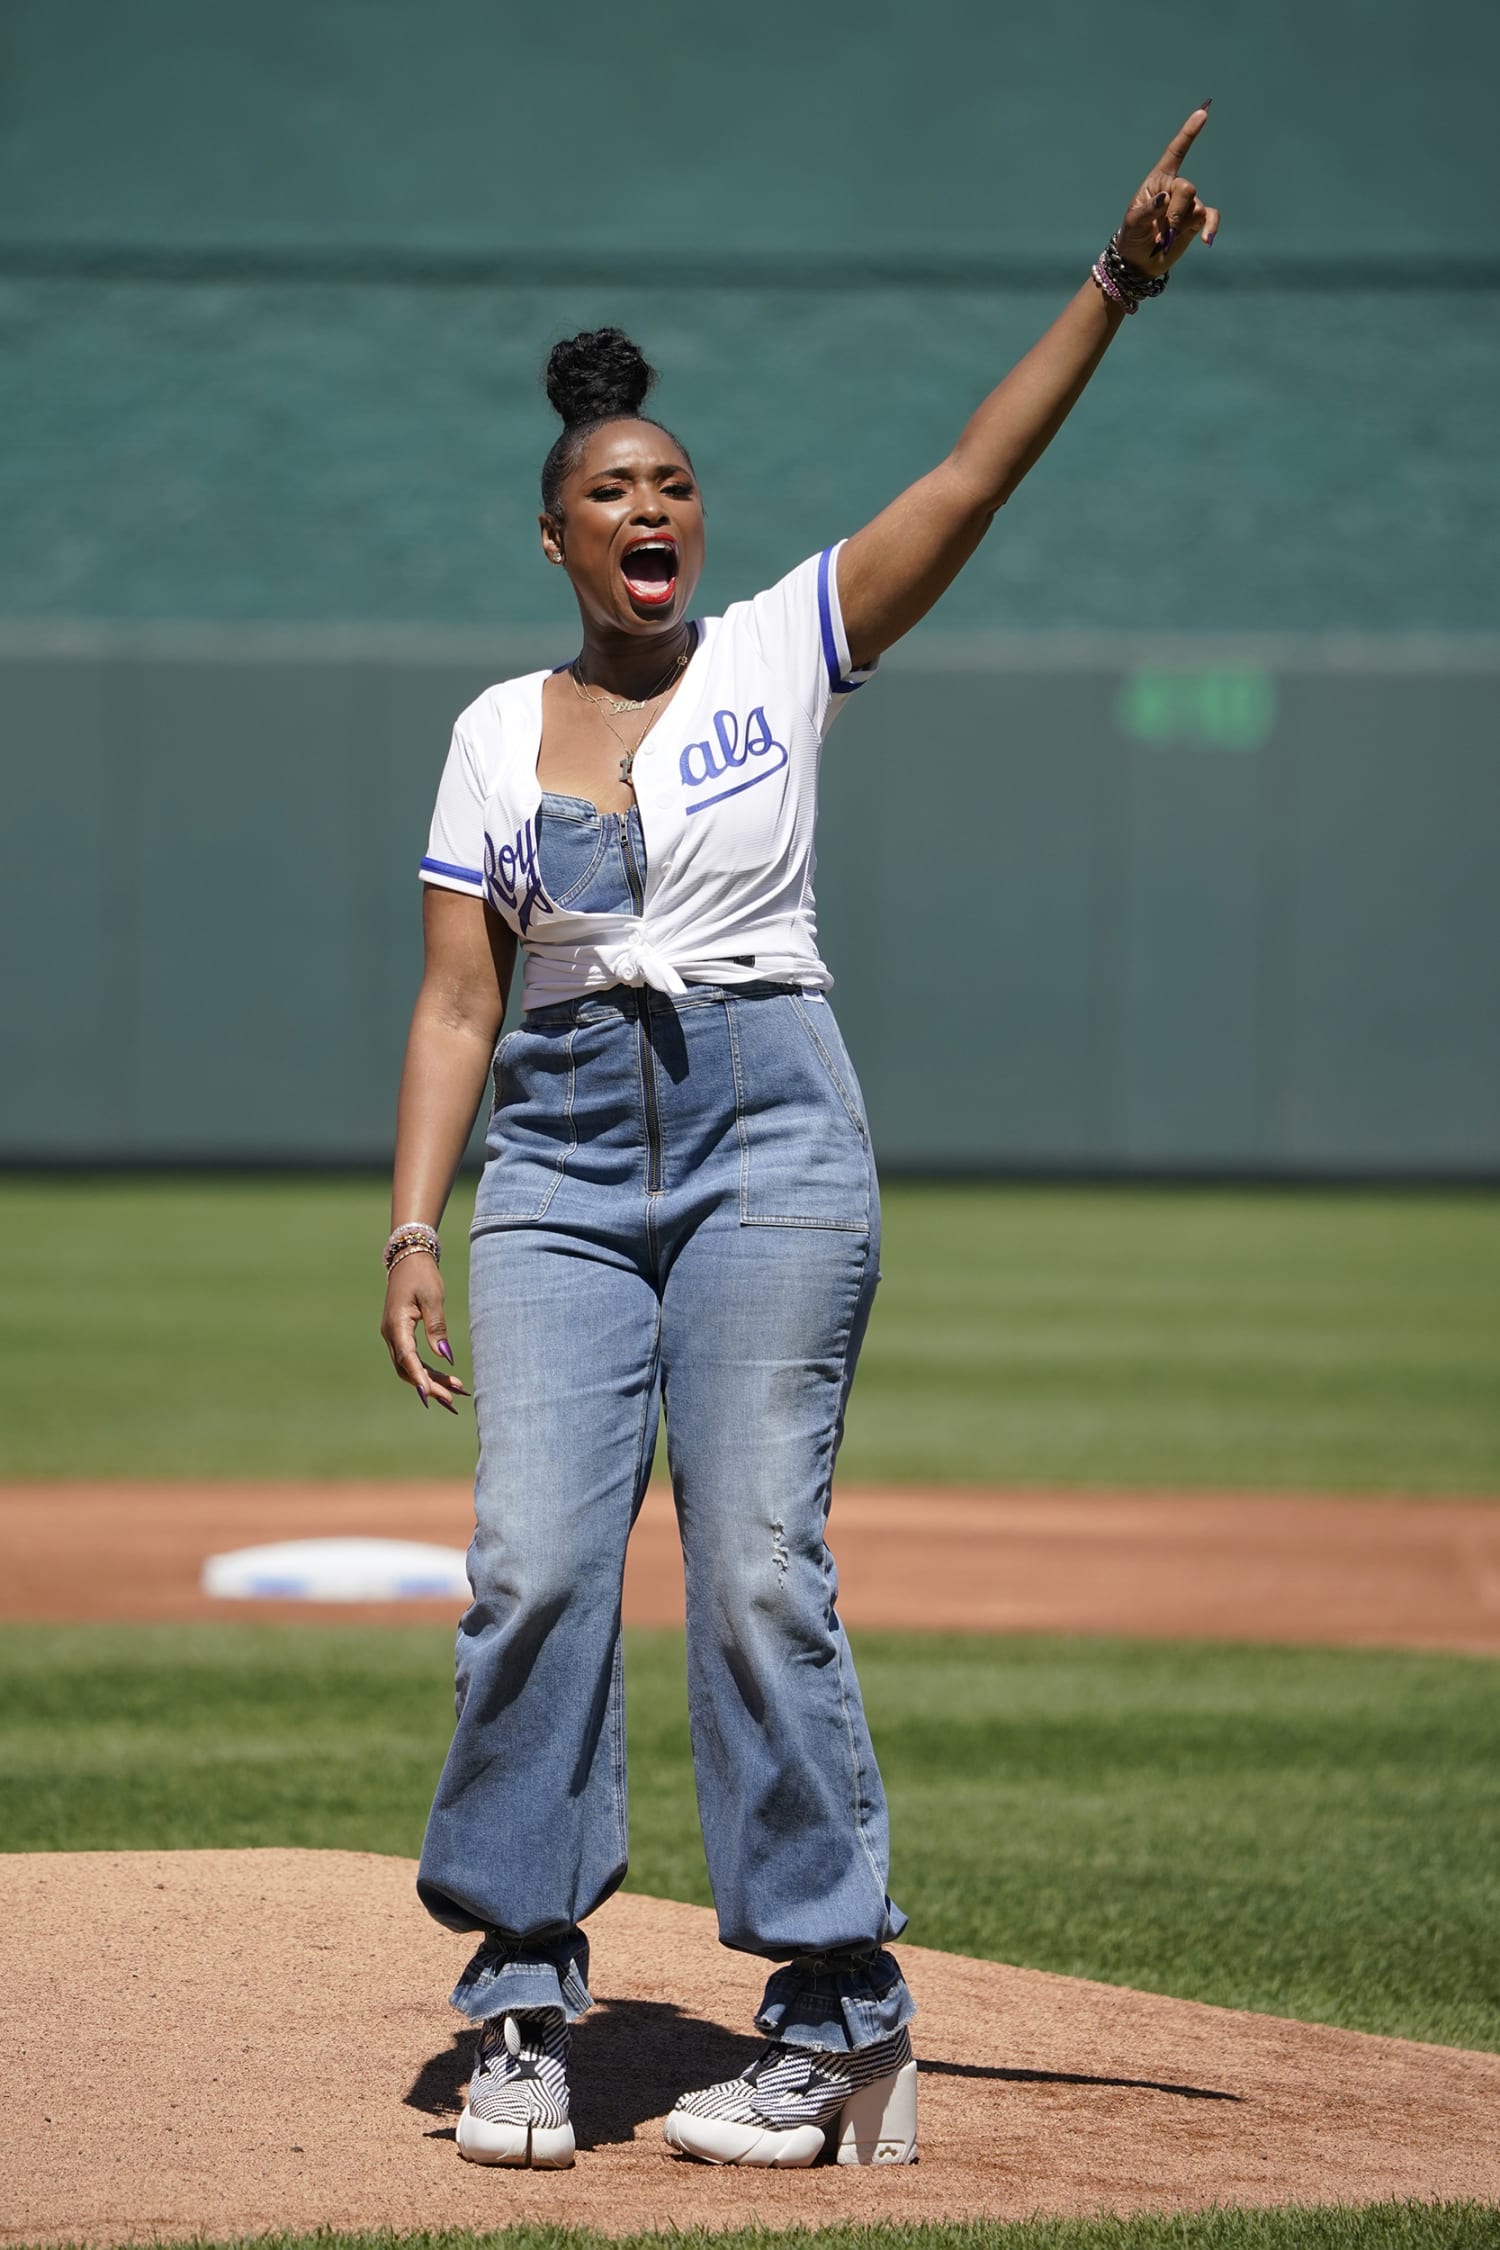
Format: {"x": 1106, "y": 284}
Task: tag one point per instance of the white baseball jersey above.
{"x": 727, "y": 785}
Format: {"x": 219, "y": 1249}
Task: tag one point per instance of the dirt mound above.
{"x": 221, "y": 2043}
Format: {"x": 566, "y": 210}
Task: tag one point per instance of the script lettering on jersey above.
{"x": 736, "y": 757}
{"x": 511, "y": 878}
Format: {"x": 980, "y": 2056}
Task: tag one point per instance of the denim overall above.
{"x": 678, "y": 1208}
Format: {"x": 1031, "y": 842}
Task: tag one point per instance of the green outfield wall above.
{"x": 1231, "y": 908}
{"x": 1201, "y": 868}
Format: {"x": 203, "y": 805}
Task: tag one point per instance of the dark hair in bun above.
{"x": 596, "y": 377}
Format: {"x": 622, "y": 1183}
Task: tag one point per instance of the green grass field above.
{"x": 1371, "y": 2226}
{"x": 1091, "y": 1336}
{"x": 1310, "y": 1833}
{"x": 1314, "y": 1833}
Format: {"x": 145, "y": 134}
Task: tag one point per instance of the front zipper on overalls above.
{"x": 643, "y": 1022}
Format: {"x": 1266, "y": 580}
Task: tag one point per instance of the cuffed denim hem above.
{"x": 506, "y": 1975}
{"x": 837, "y": 2001}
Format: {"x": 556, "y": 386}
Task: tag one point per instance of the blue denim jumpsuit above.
{"x": 678, "y": 1209}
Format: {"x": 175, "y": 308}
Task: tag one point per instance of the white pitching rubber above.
{"x": 539, "y": 2148}
{"x": 878, "y": 2125}
{"x": 717, "y": 2140}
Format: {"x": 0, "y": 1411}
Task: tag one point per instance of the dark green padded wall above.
{"x": 1231, "y": 911}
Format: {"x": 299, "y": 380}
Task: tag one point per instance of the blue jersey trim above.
{"x": 825, "y": 622}
{"x": 459, "y": 874}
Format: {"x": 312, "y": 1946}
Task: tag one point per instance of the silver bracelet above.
{"x": 414, "y": 1235}
{"x": 1122, "y": 282}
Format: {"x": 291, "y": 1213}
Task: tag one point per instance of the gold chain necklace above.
{"x": 606, "y": 704}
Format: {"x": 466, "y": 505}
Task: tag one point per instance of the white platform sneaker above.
{"x": 517, "y": 2111}
{"x": 792, "y": 2101}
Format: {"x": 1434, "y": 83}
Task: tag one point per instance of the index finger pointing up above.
{"x": 1182, "y": 141}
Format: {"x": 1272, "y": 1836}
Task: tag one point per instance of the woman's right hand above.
{"x": 1166, "y": 213}
{"x": 414, "y": 1299}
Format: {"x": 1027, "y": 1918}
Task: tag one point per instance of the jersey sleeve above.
{"x": 454, "y": 859}
{"x": 800, "y": 628}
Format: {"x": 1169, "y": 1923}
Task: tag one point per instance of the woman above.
{"x": 678, "y": 1207}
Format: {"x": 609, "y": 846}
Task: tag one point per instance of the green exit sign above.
{"x": 1205, "y": 706}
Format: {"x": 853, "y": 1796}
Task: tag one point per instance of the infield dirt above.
{"x": 1378, "y": 1573}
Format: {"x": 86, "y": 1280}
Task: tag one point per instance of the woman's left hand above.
{"x": 1165, "y": 213}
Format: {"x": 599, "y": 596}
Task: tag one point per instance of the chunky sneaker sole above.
{"x": 541, "y": 2148}
{"x": 517, "y": 2110}
{"x": 872, "y": 2122}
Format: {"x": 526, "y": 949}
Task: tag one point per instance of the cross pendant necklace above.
{"x": 606, "y": 705}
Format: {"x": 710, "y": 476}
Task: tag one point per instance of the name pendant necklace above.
{"x": 605, "y": 704}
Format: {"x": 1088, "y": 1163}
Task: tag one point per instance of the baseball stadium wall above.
{"x": 1233, "y": 911}
{"x": 1171, "y": 844}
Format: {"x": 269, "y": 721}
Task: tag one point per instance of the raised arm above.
{"x": 470, "y": 955}
{"x": 891, "y": 573}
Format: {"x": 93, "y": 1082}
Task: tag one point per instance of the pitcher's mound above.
{"x": 223, "y": 2043}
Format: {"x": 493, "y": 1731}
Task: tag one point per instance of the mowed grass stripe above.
{"x": 1308, "y": 1833}
{"x": 1371, "y": 2226}
{"x": 1342, "y": 1342}
{"x": 1192, "y": 1338}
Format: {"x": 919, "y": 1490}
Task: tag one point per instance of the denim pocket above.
{"x": 572, "y": 840}
{"x": 532, "y": 1132}
{"x": 804, "y": 1147}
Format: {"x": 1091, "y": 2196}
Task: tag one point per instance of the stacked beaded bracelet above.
{"x": 1125, "y": 283}
{"x": 405, "y": 1241}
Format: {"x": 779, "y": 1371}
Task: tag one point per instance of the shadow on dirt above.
{"x": 1019, "y": 2077}
{"x": 631, "y": 2060}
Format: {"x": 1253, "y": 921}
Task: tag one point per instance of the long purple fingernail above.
{"x": 446, "y": 1350}
{"x": 1208, "y": 104}
{"x": 1168, "y": 239}
{"x": 422, "y": 1395}
{"x": 1160, "y": 200}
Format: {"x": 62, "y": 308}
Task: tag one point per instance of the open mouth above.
{"x": 650, "y": 568}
